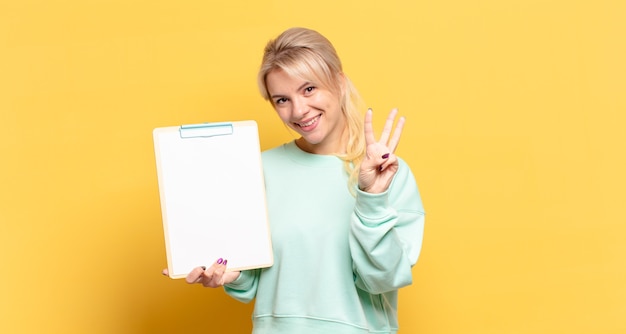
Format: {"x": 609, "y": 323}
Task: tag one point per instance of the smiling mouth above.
{"x": 309, "y": 123}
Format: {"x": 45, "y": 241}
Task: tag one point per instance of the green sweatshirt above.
{"x": 338, "y": 260}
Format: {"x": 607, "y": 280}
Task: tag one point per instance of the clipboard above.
{"x": 212, "y": 195}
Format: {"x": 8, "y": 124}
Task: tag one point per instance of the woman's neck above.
{"x": 330, "y": 147}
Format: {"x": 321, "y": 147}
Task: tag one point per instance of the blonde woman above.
{"x": 345, "y": 213}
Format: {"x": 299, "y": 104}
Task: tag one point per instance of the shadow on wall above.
{"x": 181, "y": 308}
{"x": 136, "y": 298}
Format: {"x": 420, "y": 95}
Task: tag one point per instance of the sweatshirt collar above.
{"x": 309, "y": 159}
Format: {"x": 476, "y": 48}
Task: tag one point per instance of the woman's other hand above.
{"x": 211, "y": 277}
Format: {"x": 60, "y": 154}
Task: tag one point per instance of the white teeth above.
{"x": 309, "y": 123}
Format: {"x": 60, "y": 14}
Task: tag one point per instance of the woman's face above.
{"x": 310, "y": 110}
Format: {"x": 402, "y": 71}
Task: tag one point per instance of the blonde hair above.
{"x": 306, "y": 54}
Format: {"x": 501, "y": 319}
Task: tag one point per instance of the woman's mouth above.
{"x": 308, "y": 124}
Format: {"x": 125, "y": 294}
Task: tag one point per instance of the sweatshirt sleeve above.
{"x": 245, "y": 286}
{"x": 386, "y": 234}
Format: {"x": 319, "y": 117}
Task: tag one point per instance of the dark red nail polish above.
{"x": 225, "y": 261}
{"x": 219, "y": 261}
{"x": 386, "y": 155}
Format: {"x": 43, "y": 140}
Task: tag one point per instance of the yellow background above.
{"x": 515, "y": 133}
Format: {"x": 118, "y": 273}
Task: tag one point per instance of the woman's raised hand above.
{"x": 211, "y": 277}
{"x": 380, "y": 163}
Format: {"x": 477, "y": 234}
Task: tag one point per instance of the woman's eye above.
{"x": 281, "y": 100}
{"x": 309, "y": 89}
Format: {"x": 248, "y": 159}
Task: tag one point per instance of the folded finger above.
{"x": 391, "y": 160}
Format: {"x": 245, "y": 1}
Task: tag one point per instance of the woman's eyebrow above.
{"x": 297, "y": 90}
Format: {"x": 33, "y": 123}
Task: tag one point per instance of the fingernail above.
{"x": 225, "y": 261}
{"x": 380, "y": 168}
{"x": 386, "y": 155}
{"x": 219, "y": 261}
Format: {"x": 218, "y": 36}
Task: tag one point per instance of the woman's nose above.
{"x": 299, "y": 107}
